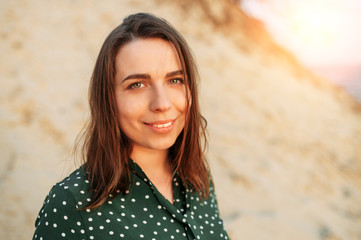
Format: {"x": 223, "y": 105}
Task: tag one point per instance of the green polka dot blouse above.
{"x": 140, "y": 213}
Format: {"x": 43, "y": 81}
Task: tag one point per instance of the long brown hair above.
{"x": 106, "y": 149}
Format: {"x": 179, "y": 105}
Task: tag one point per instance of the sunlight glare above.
{"x": 315, "y": 27}
{"x": 316, "y": 31}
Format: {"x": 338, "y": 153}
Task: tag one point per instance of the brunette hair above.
{"x": 106, "y": 149}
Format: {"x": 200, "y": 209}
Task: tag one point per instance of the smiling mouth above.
{"x": 161, "y": 124}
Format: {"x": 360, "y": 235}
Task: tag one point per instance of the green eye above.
{"x": 176, "y": 81}
{"x": 136, "y": 85}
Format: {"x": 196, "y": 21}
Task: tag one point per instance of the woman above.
{"x": 144, "y": 174}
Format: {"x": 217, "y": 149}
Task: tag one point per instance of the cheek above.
{"x": 129, "y": 108}
{"x": 180, "y": 101}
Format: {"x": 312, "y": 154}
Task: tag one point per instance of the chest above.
{"x": 144, "y": 213}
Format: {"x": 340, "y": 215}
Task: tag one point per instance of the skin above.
{"x": 151, "y": 101}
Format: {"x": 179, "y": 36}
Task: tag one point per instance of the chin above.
{"x": 162, "y": 144}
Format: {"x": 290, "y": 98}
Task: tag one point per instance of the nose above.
{"x": 160, "y": 100}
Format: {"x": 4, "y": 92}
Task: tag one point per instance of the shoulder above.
{"x": 76, "y": 179}
{"x": 76, "y": 186}
{"x": 60, "y": 213}
{"x": 72, "y": 186}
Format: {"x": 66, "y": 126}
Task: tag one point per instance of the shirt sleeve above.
{"x": 59, "y": 218}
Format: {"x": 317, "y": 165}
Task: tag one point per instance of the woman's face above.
{"x": 150, "y": 93}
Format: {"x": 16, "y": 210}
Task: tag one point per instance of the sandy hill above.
{"x": 284, "y": 145}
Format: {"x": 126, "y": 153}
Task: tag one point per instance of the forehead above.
{"x": 152, "y": 55}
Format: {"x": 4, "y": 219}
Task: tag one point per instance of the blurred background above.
{"x": 324, "y": 35}
{"x": 280, "y": 88}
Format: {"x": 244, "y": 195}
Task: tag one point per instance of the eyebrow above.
{"x": 136, "y": 76}
{"x": 174, "y": 73}
{"x": 147, "y": 76}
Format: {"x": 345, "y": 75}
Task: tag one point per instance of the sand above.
{"x": 284, "y": 145}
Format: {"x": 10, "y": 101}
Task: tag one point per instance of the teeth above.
{"x": 162, "y": 125}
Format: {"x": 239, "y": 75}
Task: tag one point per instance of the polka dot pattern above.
{"x": 140, "y": 213}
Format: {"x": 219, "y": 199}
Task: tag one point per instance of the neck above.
{"x": 156, "y": 166}
{"x": 151, "y": 161}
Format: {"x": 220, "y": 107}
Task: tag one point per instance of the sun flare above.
{"x": 316, "y": 31}
{"x": 315, "y": 27}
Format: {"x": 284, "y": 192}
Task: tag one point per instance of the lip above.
{"x": 161, "y": 126}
